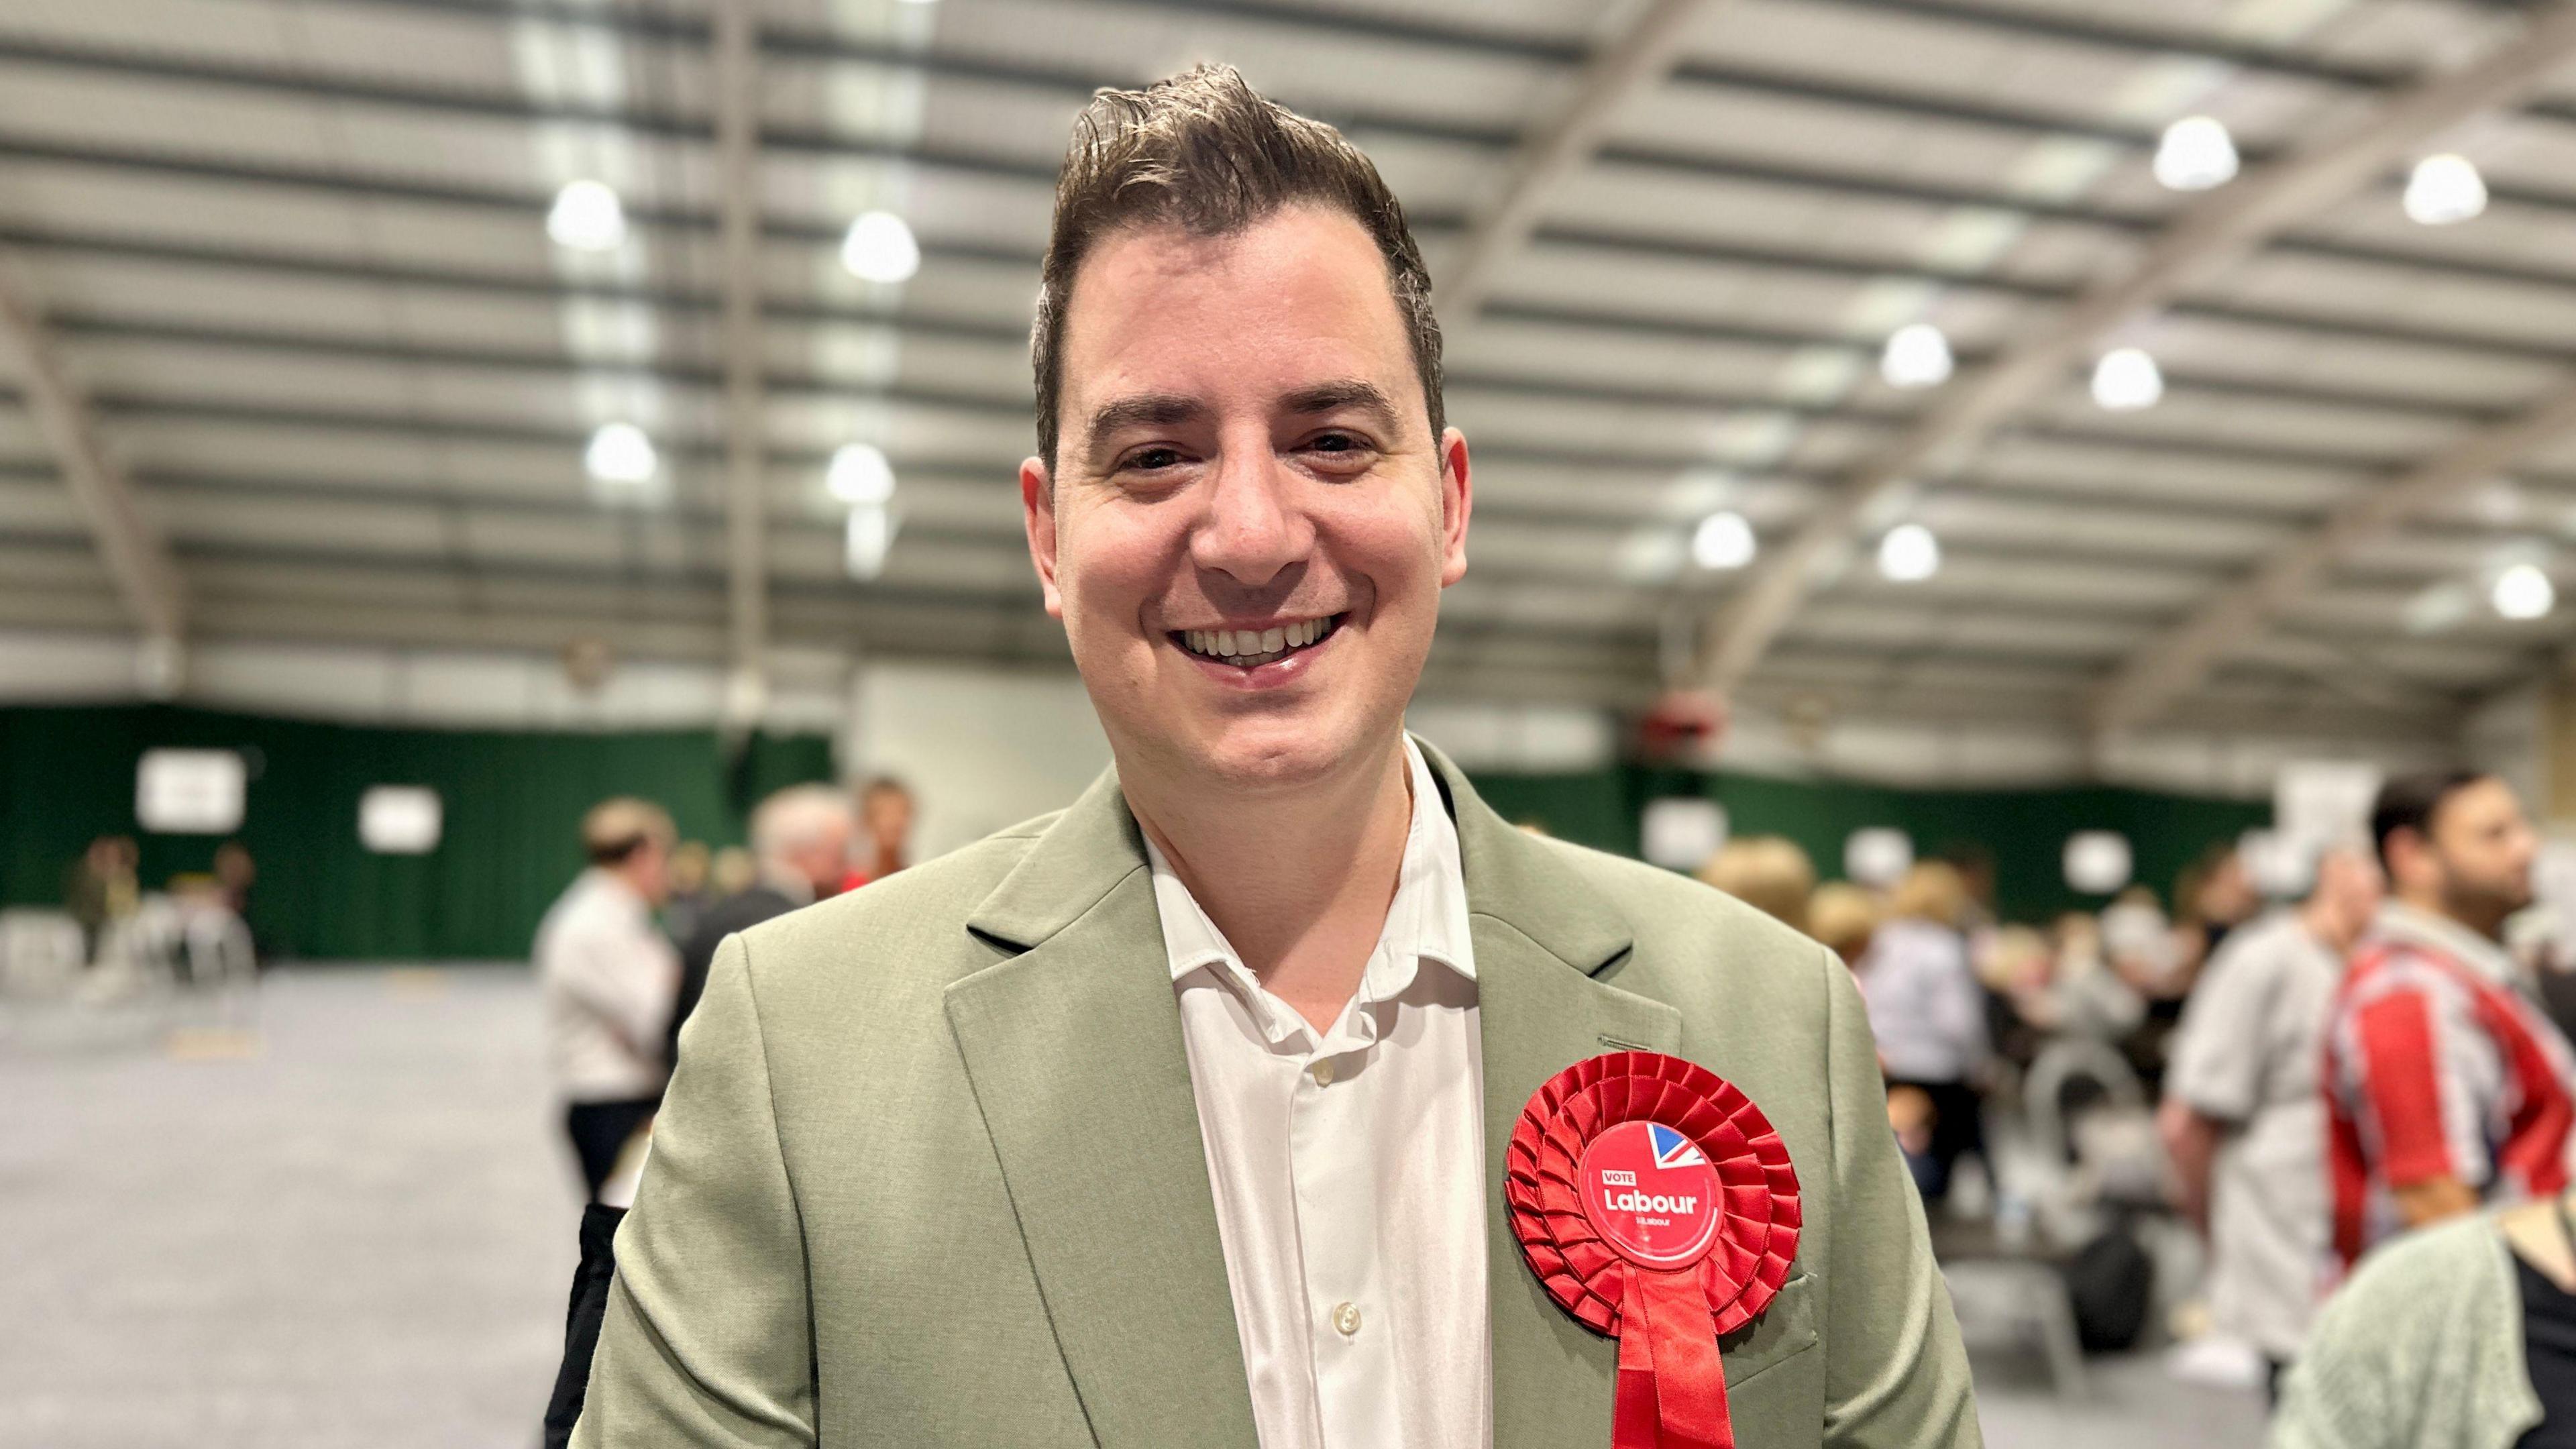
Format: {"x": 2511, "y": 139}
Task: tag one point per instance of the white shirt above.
{"x": 1348, "y": 1166}
{"x": 610, "y": 979}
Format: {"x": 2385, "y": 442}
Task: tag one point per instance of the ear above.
{"x": 1037, "y": 514}
{"x": 1457, "y": 500}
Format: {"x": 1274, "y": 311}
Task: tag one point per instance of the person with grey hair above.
{"x": 800, "y": 845}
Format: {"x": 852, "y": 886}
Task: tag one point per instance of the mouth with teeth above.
{"x": 1252, "y": 648}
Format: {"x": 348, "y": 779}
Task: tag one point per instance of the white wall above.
{"x": 981, "y": 749}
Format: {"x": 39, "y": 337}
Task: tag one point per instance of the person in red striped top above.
{"x": 2447, "y": 1084}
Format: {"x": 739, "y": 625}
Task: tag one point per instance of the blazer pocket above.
{"x": 1785, "y": 1329}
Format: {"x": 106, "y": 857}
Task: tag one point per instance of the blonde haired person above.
{"x": 1843, "y": 916}
{"x": 1767, "y": 872}
{"x": 610, "y": 979}
{"x": 1929, "y": 1013}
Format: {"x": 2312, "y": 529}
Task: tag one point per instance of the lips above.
{"x": 1251, "y": 648}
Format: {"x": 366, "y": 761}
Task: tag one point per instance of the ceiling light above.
{"x": 2126, "y": 380}
{"x": 586, "y": 217}
{"x": 880, "y": 248}
{"x": 860, "y": 474}
{"x": 1909, "y": 553}
{"x": 620, "y": 453}
{"x": 2445, "y": 189}
{"x": 867, "y": 541}
{"x": 2523, "y": 592}
{"x": 1917, "y": 355}
{"x": 2195, "y": 155}
{"x": 1723, "y": 541}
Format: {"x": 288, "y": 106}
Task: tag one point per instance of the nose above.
{"x": 1254, "y": 527}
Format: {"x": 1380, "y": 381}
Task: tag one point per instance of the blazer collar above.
{"x": 1511, "y": 878}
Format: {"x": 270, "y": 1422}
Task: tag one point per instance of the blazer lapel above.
{"x": 1074, "y": 1051}
{"x": 1541, "y": 934}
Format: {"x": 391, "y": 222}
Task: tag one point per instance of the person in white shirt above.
{"x": 610, "y": 980}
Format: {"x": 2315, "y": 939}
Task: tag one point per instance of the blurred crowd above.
{"x": 2359, "y": 1102}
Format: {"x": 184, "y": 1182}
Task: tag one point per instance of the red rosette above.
{"x": 1672, "y": 1389}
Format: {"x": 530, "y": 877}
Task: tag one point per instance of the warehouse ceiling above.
{"x": 297, "y": 357}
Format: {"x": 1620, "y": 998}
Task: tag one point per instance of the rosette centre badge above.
{"x": 1652, "y": 1193}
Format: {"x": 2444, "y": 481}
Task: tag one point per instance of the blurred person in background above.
{"x": 610, "y": 979}
{"x": 692, "y": 889}
{"x": 1767, "y": 872}
{"x": 731, "y": 872}
{"x": 1844, "y": 917}
{"x": 885, "y": 826}
{"x": 2242, "y": 1121}
{"x": 2462, "y": 1336}
{"x": 1929, "y": 1013}
{"x": 100, "y": 891}
{"x": 800, "y": 847}
{"x": 2447, "y": 1085}
{"x": 2211, "y": 899}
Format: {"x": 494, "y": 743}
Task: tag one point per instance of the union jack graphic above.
{"x": 1672, "y": 1149}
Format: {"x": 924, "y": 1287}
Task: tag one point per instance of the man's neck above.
{"x": 2433, "y": 904}
{"x": 1298, "y": 881}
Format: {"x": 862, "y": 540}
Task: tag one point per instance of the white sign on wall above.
{"x": 399, "y": 819}
{"x": 1681, "y": 832}
{"x": 2098, "y": 862}
{"x": 1878, "y": 856}
{"x": 190, "y": 792}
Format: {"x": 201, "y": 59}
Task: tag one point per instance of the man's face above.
{"x": 888, "y": 816}
{"x": 823, "y": 858}
{"x": 2482, "y": 848}
{"x": 648, "y": 869}
{"x": 1247, "y": 524}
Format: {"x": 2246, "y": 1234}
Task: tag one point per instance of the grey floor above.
{"x": 353, "y": 1226}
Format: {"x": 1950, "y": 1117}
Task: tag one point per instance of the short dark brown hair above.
{"x": 2411, "y": 802}
{"x": 1204, "y": 152}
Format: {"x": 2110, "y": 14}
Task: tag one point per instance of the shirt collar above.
{"x": 2399, "y": 921}
{"x": 1427, "y": 920}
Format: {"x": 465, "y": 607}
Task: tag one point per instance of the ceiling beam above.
{"x": 2176, "y": 661}
{"x": 737, "y": 107}
{"x": 1636, "y": 59}
{"x": 2219, "y": 230}
{"x": 137, "y": 558}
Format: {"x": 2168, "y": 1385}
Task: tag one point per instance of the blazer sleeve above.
{"x": 1896, "y": 1376}
{"x": 706, "y": 1340}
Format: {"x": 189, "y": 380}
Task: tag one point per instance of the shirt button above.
{"x": 1323, "y": 1070}
{"x": 1346, "y": 1319}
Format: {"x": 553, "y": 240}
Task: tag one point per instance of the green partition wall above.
{"x": 513, "y": 798}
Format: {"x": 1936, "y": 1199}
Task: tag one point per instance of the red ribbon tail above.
{"x": 1672, "y": 1383}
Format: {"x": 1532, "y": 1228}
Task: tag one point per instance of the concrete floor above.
{"x": 354, "y": 1225}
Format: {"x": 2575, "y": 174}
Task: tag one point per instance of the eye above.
{"x": 1335, "y": 443}
{"x": 1150, "y": 460}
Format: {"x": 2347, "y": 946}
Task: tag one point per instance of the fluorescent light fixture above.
{"x": 1909, "y": 553}
{"x": 587, "y": 217}
{"x": 620, "y": 453}
{"x": 2126, "y": 380}
{"x": 1878, "y": 856}
{"x": 2196, "y": 154}
{"x": 2523, "y": 592}
{"x": 190, "y": 792}
{"x": 860, "y": 474}
{"x": 1723, "y": 541}
{"x": 880, "y": 248}
{"x": 867, "y": 539}
{"x": 2097, "y": 862}
{"x": 1917, "y": 355}
{"x": 2445, "y": 189}
{"x": 399, "y": 819}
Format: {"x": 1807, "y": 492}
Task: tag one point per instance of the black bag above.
{"x": 2110, "y": 1283}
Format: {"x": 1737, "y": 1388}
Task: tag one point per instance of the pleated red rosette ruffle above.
{"x": 1659, "y": 1207}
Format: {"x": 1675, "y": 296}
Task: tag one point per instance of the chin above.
{"x": 1278, "y": 753}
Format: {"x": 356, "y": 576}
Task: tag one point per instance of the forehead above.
{"x": 2476, "y": 805}
{"x": 1300, "y": 295}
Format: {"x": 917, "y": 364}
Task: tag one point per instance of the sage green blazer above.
{"x": 929, "y": 1173}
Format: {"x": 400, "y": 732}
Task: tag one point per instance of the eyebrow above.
{"x": 1348, "y": 392}
{"x": 1148, "y": 409}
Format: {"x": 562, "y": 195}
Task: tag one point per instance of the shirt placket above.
{"x": 1336, "y": 1181}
